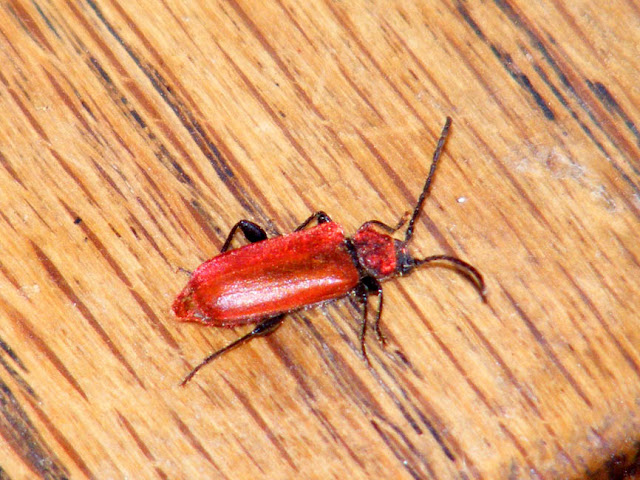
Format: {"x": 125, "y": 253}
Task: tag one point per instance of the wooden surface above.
{"x": 133, "y": 135}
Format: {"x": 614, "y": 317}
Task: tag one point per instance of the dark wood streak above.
{"x": 302, "y": 94}
{"x": 65, "y": 287}
{"x": 195, "y": 443}
{"x": 104, "y": 252}
{"x": 149, "y": 238}
{"x": 606, "y": 98}
{"x": 78, "y": 181}
{"x": 626, "y": 354}
{"x": 22, "y": 383}
{"x": 354, "y": 388}
{"x": 28, "y": 115}
{"x": 6, "y": 272}
{"x": 604, "y": 95}
{"x": 573, "y": 85}
{"x": 47, "y": 20}
{"x": 400, "y": 454}
{"x": 12, "y": 355}
{"x": 255, "y": 414}
{"x": 29, "y": 25}
{"x": 565, "y": 103}
{"x": 309, "y": 397}
{"x": 241, "y": 443}
{"x": 67, "y": 446}
{"x": 189, "y": 121}
{"x": 523, "y": 80}
{"x": 7, "y": 166}
{"x": 152, "y": 218}
{"x": 438, "y": 427}
{"x": 523, "y": 451}
{"x": 141, "y": 444}
{"x": 522, "y": 389}
{"x": 166, "y": 92}
{"x": 202, "y": 218}
{"x": 24, "y": 439}
{"x": 466, "y": 15}
{"x": 274, "y": 116}
{"x": 68, "y": 102}
{"x": 27, "y": 327}
{"x": 349, "y": 30}
{"x": 108, "y": 179}
{"x": 542, "y": 341}
{"x": 165, "y": 207}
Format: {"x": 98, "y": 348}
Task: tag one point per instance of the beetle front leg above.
{"x": 388, "y": 228}
{"x": 251, "y": 231}
{"x": 264, "y": 328}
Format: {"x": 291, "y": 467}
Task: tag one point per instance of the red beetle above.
{"x": 263, "y": 281}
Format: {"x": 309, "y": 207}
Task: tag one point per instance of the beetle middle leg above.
{"x": 367, "y": 287}
{"x": 264, "y": 328}
{"x": 251, "y": 231}
{"x": 320, "y": 216}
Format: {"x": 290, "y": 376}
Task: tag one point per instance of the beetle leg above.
{"x": 251, "y": 231}
{"x": 366, "y": 287}
{"x": 377, "y": 290}
{"x": 263, "y": 329}
{"x": 362, "y": 292}
{"x": 320, "y": 216}
{"x": 184, "y": 270}
{"x": 388, "y": 228}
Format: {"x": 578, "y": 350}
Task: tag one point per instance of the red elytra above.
{"x": 263, "y": 281}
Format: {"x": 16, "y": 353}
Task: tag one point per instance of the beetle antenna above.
{"x": 427, "y": 184}
{"x": 468, "y": 271}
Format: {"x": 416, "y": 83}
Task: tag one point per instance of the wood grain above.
{"x": 133, "y": 135}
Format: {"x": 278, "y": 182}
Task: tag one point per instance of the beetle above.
{"x": 259, "y": 283}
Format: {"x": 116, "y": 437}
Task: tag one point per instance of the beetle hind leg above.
{"x": 251, "y": 231}
{"x": 264, "y": 328}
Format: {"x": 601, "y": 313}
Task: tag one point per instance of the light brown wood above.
{"x": 133, "y": 135}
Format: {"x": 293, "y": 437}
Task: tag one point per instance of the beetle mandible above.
{"x": 263, "y": 281}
